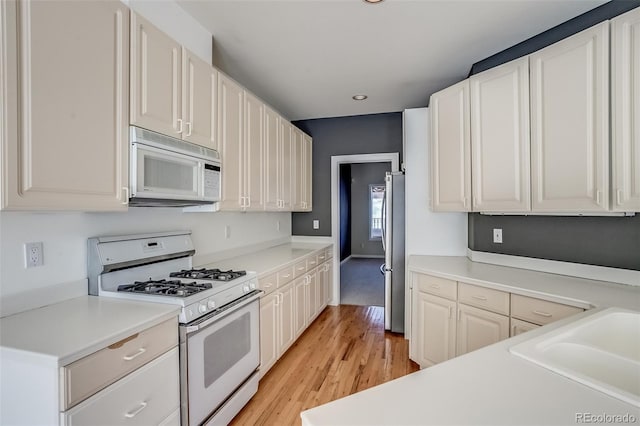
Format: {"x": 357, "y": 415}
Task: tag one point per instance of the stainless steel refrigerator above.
{"x": 393, "y": 244}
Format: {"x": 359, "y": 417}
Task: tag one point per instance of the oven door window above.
{"x": 163, "y": 175}
{"x": 220, "y": 358}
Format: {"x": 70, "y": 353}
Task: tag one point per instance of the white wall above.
{"x": 428, "y": 233}
{"x": 173, "y": 20}
{"x": 65, "y": 238}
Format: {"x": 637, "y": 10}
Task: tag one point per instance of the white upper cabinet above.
{"x": 625, "y": 103}
{"x": 173, "y": 92}
{"x": 231, "y": 141}
{"x": 450, "y": 149}
{"x": 298, "y": 181}
{"x": 156, "y": 79}
{"x": 64, "y": 71}
{"x": 307, "y": 142}
{"x": 253, "y": 152}
{"x": 287, "y": 167}
{"x": 199, "y": 85}
{"x": 500, "y": 138}
{"x": 271, "y": 123}
{"x": 570, "y": 123}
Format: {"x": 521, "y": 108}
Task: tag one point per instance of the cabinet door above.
{"x": 230, "y": 139}
{"x": 287, "y": 317}
{"x": 287, "y": 169}
{"x": 299, "y": 166}
{"x": 570, "y": 123}
{"x": 199, "y": 85}
{"x": 625, "y": 101}
{"x": 450, "y": 149}
{"x": 308, "y": 172}
{"x": 156, "y": 79}
{"x": 329, "y": 285}
{"x": 323, "y": 274}
{"x": 271, "y": 123}
{"x": 478, "y": 328}
{"x": 253, "y": 149}
{"x": 500, "y": 138}
{"x": 519, "y": 327}
{"x": 300, "y": 290}
{"x": 65, "y": 76}
{"x": 434, "y": 326}
{"x": 312, "y": 297}
{"x": 268, "y": 332}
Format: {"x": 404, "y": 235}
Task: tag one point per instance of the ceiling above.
{"x": 307, "y": 58}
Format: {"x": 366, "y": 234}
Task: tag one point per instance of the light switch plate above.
{"x": 316, "y": 224}
{"x": 497, "y": 235}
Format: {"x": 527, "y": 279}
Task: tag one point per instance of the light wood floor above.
{"x": 344, "y": 351}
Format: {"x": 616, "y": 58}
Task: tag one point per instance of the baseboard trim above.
{"x": 345, "y": 259}
{"x": 592, "y": 272}
{"x": 11, "y": 304}
{"x": 368, "y": 256}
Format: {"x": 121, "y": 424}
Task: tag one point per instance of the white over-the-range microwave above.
{"x": 166, "y": 171}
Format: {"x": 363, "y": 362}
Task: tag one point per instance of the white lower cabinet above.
{"x": 293, "y": 298}
{"x": 148, "y": 396}
{"x": 434, "y": 329}
{"x": 478, "y": 328}
{"x": 445, "y": 325}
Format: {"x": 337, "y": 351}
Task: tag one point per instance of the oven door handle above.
{"x": 226, "y": 310}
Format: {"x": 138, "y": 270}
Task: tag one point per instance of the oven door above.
{"x": 221, "y": 353}
{"x": 162, "y": 174}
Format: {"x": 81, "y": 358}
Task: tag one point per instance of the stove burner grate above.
{"x": 208, "y": 274}
{"x": 173, "y": 288}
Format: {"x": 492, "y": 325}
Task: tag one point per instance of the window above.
{"x": 376, "y": 195}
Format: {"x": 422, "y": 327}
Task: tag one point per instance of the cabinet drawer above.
{"x": 435, "y": 285}
{"x": 322, "y": 257}
{"x": 300, "y": 268}
{"x": 485, "y": 298}
{"x": 268, "y": 283}
{"x": 329, "y": 252}
{"x": 148, "y": 396}
{"x": 92, "y": 373}
{"x": 312, "y": 262}
{"x": 540, "y": 311}
{"x": 285, "y": 275}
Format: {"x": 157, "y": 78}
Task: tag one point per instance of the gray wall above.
{"x": 604, "y": 241}
{"x": 363, "y": 175}
{"x": 361, "y": 134}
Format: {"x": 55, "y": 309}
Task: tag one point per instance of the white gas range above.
{"x": 219, "y": 317}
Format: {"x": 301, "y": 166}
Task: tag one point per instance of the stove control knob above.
{"x": 202, "y": 308}
{"x": 211, "y": 304}
{"x": 252, "y": 285}
{"x": 245, "y": 288}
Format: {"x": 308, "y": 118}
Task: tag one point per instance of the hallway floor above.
{"x": 361, "y": 282}
{"x": 344, "y": 351}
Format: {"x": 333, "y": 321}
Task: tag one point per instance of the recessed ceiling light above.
{"x": 373, "y": 1}
{"x": 359, "y": 97}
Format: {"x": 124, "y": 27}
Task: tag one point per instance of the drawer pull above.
{"x": 286, "y": 276}
{"x": 543, "y": 314}
{"x": 134, "y": 356}
{"x": 479, "y": 297}
{"x": 132, "y": 414}
{"x": 301, "y": 268}
{"x": 268, "y": 285}
{"x": 436, "y": 286}
{"x": 321, "y": 257}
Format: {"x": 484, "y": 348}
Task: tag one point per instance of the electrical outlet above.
{"x": 33, "y": 255}
{"x": 227, "y": 231}
{"x": 316, "y": 224}
{"x": 497, "y": 235}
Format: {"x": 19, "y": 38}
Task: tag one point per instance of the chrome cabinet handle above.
{"x": 268, "y": 285}
{"x": 300, "y": 268}
{"x": 513, "y": 332}
{"x": 543, "y": 314}
{"x": 136, "y": 355}
{"x": 598, "y": 197}
{"x": 286, "y": 276}
{"x": 135, "y": 412}
{"x": 179, "y": 125}
{"x": 619, "y": 197}
{"x": 479, "y": 297}
{"x": 449, "y": 311}
{"x": 436, "y": 286}
{"x": 189, "y": 126}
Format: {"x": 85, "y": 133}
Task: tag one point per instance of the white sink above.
{"x": 601, "y": 351}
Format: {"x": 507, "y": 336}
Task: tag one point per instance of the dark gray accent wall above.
{"x": 361, "y": 134}
{"x": 603, "y": 241}
{"x": 345, "y": 211}
{"x": 363, "y": 175}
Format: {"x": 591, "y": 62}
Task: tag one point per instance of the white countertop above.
{"x": 269, "y": 260}
{"x": 489, "y": 386}
{"x": 65, "y": 332}
{"x": 575, "y": 291}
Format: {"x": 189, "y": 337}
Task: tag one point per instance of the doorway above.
{"x": 338, "y": 203}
